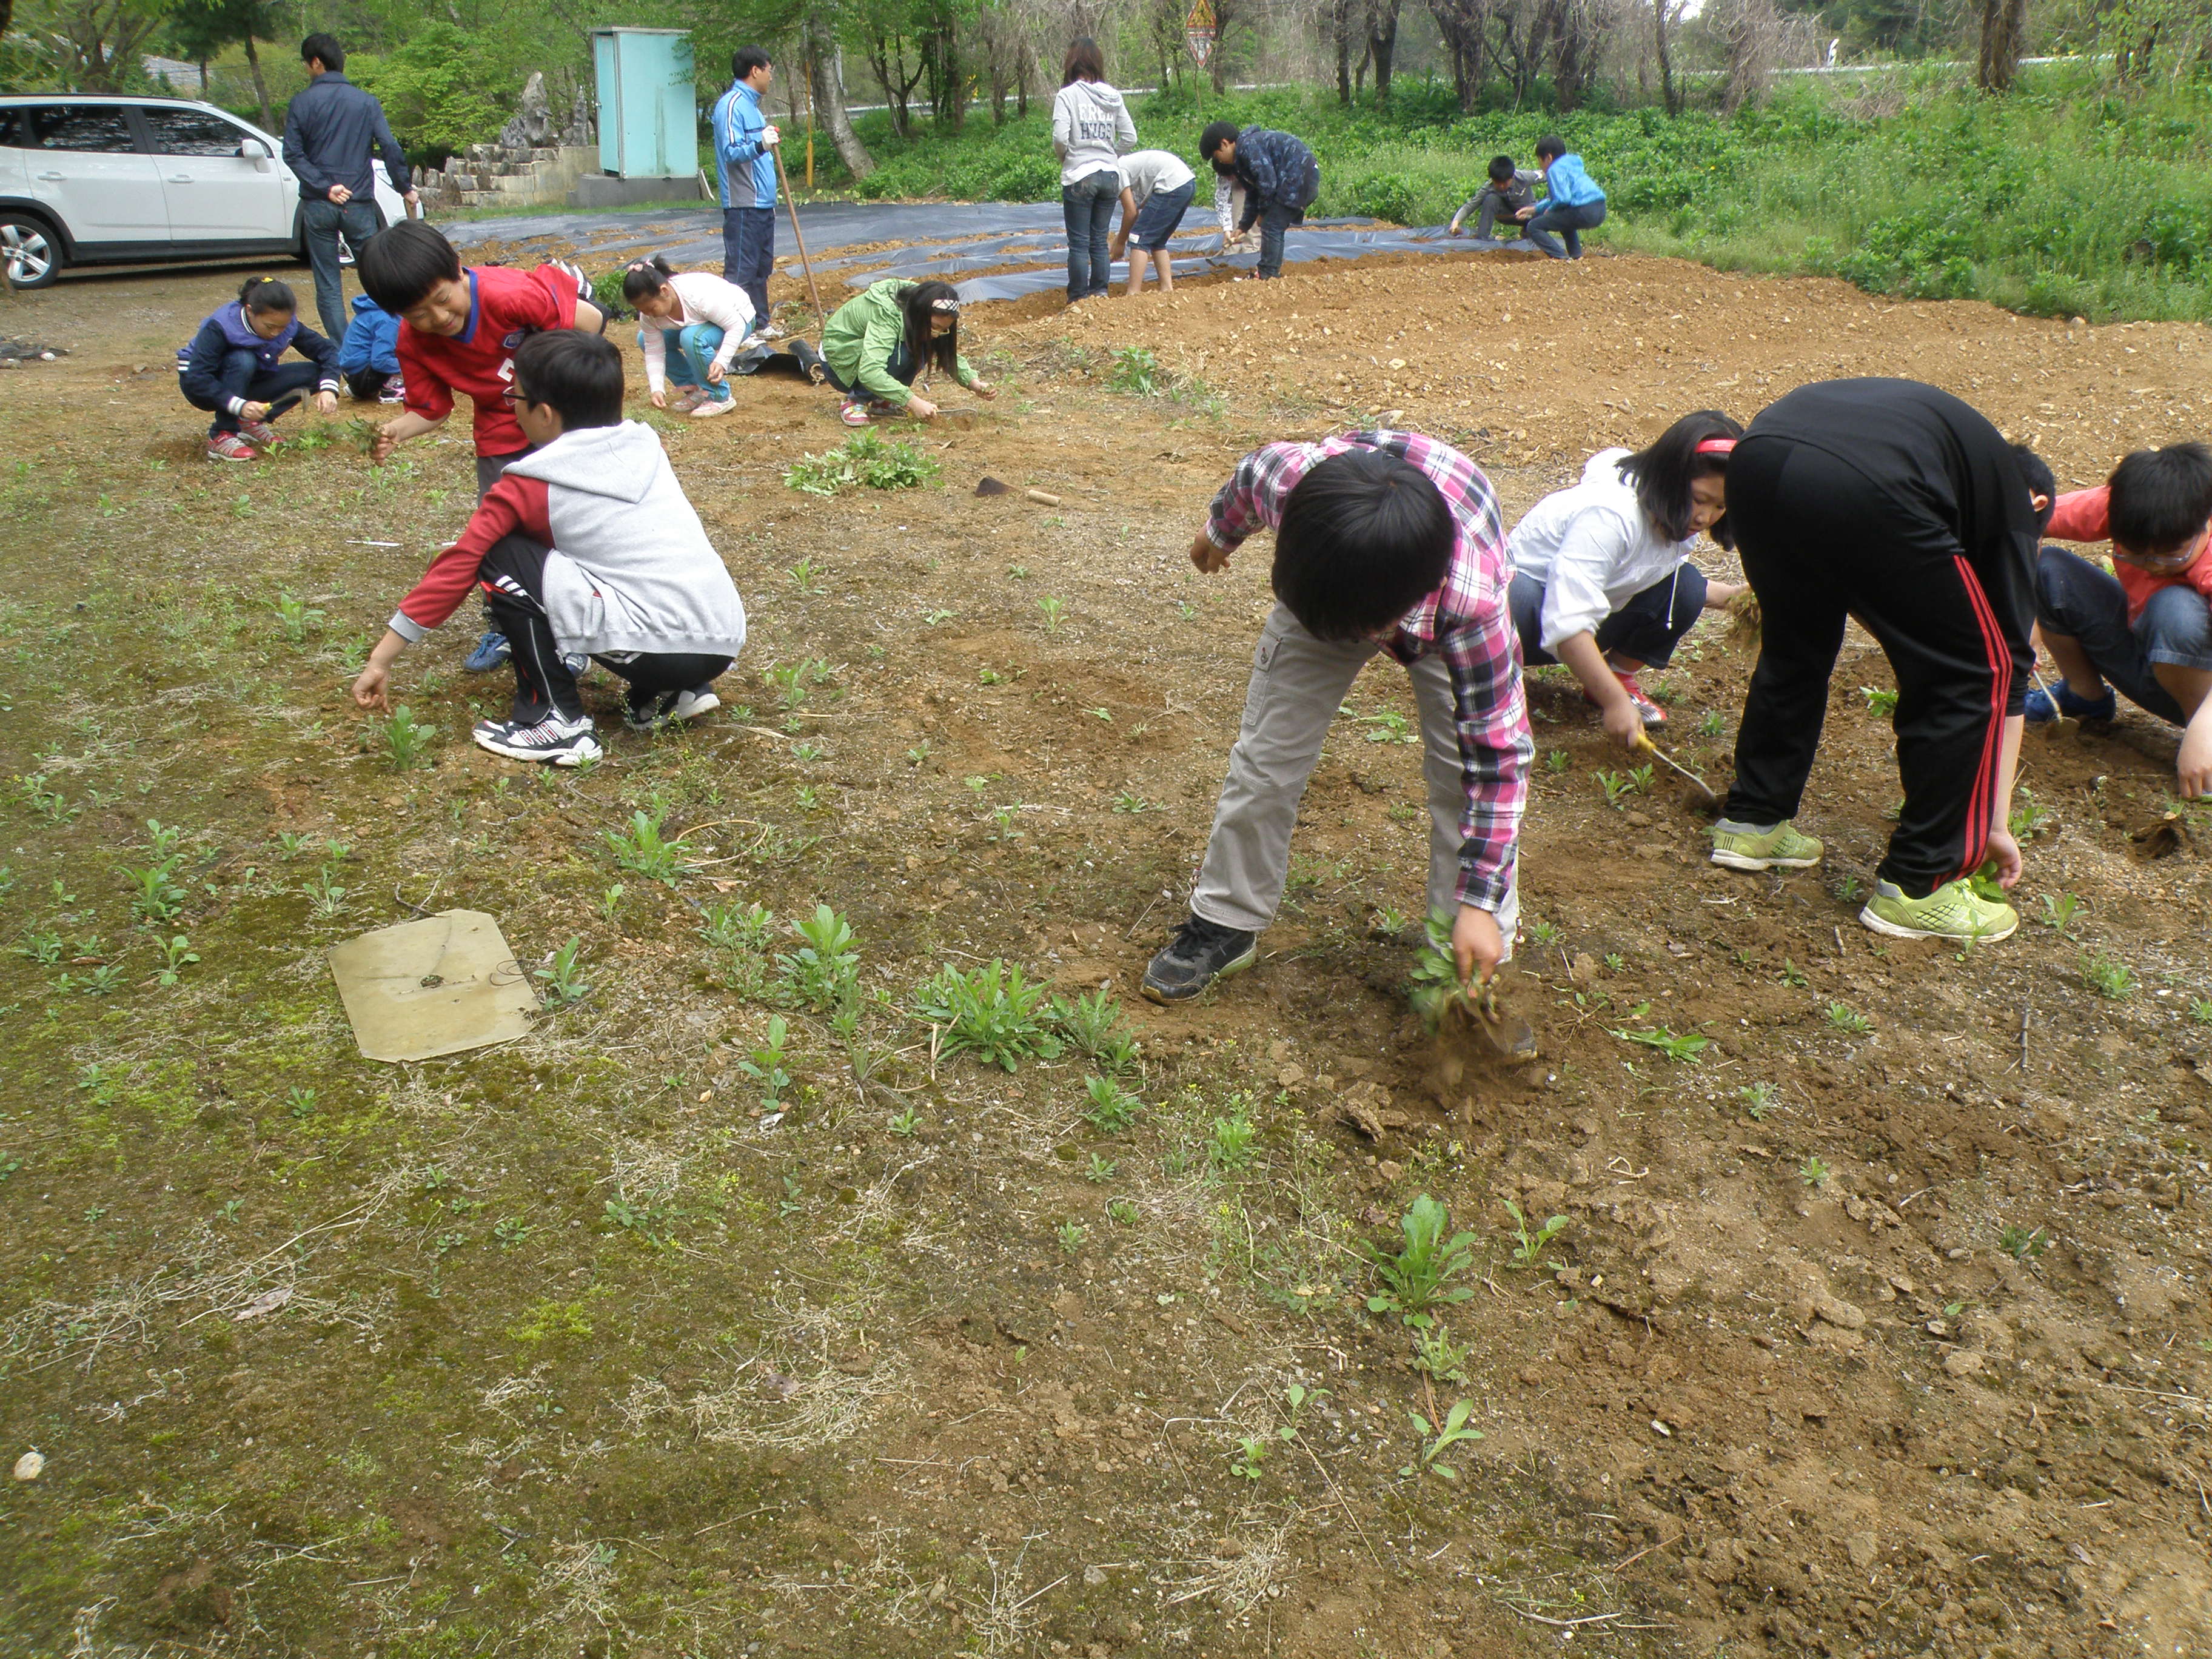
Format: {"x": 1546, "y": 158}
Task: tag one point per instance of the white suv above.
{"x": 87, "y": 180}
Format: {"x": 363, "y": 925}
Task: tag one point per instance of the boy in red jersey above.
{"x": 458, "y": 327}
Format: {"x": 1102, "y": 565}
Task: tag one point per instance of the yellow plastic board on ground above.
{"x": 440, "y": 986}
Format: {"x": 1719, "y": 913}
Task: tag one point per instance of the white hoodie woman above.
{"x": 1091, "y": 128}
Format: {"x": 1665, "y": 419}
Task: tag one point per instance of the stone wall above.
{"x": 535, "y": 161}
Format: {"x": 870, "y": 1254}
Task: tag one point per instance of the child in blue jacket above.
{"x": 231, "y": 367}
{"x": 368, "y": 357}
{"x": 1573, "y": 201}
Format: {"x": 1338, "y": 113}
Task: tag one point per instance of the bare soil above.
{"x": 1875, "y": 1327}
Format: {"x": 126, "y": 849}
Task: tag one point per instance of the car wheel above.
{"x": 30, "y": 251}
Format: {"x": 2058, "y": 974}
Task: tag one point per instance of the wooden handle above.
{"x": 1042, "y": 499}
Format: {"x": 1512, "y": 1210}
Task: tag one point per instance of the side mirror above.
{"x": 254, "y": 150}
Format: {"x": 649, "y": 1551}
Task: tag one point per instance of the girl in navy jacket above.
{"x": 231, "y": 367}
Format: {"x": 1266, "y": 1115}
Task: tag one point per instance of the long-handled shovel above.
{"x": 783, "y": 180}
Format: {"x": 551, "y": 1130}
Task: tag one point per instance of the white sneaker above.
{"x": 553, "y": 740}
{"x": 670, "y": 707}
{"x": 713, "y": 407}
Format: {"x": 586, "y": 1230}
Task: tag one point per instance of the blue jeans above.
{"x": 1088, "y": 207}
{"x": 900, "y": 366}
{"x": 689, "y": 351}
{"x": 1161, "y": 215}
{"x": 241, "y": 377}
{"x": 749, "y": 254}
{"x": 1647, "y": 628}
{"x": 2075, "y": 598}
{"x": 358, "y": 220}
{"x": 1569, "y": 222}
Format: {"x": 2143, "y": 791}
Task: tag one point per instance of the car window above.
{"x": 11, "y": 129}
{"x": 192, "y": 132}
{"x": 79, "y": 126}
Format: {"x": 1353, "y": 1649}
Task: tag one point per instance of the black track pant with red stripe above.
{"x": 1821, "y": 543}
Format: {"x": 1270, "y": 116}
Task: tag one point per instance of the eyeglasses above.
{"x": 2180, "y": 559}
{"x": 512, "y": 395}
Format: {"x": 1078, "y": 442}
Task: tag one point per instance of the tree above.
{"x": 825, "y": 81}
{"x": 94, "y": 44}
{"x": 2004, "y": 36}
{"x": 1663, "y": 15}
{"x": 200, "y": 29}
{"x": 1383, "y": 43}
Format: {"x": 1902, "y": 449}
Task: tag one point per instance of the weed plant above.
{"x": 2108, "y": 976}
{"x": 824, "y": 974}
{"x": 993, "y": 1012}
{"x": 867, "y": 460}
{"x": 641, "y": 848}
{"x": 1417, "y": 1276}
{"x": 1111, "y": 1107}
{"x": 1528, "y": 1245}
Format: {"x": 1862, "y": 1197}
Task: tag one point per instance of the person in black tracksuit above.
{"x": 1897, "y": 504}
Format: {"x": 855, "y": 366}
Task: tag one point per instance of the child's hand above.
{"x": 1623, "y": 724}
{"x": 660, "y": 400}
{"x": 326, "y": 402}
{"x": 250, "y": 413}
{"x": 370, "y": 690}
{"x": 714, "y": 373}
{"x": 2194, "y": 766}
{"x": 380, "y": 451}
{"x": 2003, "y": 852}
{"x": 983, "y": 389}
{"x": 1206, "y": 556}
{"x": 1453, "y": 230}
{"x": 921, "y": 407}
{"x": 1524, "y": 214}
{"x": 1477, "y": 945}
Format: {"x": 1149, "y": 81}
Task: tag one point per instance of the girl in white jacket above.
{"x": 704, "y": 318}
{"x": 1602, "y": 576}
{"x": 1091, "y": 128}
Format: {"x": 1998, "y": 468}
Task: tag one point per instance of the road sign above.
{"x": 1199, "y": 30}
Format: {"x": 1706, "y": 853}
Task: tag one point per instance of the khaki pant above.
{"x": 1298, "y": 684}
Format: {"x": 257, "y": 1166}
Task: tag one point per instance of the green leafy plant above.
{"x": 2022, "y": 1244}
{"x": 1231, "y": 1145}
{"x": 905, "y": 1122}
{"x": 1758, "y": 1099}
{"x": 1712, "y": 725}
{"x": 177, "y": 955}
{"x": 641, "y": 848}
{"x": 1558, "y": 761}
{"x": 806, "y": 577}
{"x": 993, "y": 1012}
{"x": 1842, "y": 1016}
{"x": 1813, "y": 1171}
{"x": 866, "y": 461}
{"x": 155, "y": 896}
{"x": 1112, "y": 1109}
{"x": 296, "y": 617}
{"x": 1072, "y": 1235}
{"x": 1417, "y": 1276}
{"x": 1101, "y": 1170}
{"x": 324, "y": 897}
{"x": 564, "y": 982}
{"x": 2107, "y": 975}
{"x": 1792, "y": 975}
{"x": 824, "y": 973}
{"x": 1439, "y": 1438}
{"x": 1880, "y": 702}
{"x": 1121, "y": 1212}
{"x": 1680, "y": 1049}
{"x": 1092, "y": 1024}
{"x": 765, "y": 1065}
{"x": 405, "y": 738}
{"x": 2030, "y": 818}
{"x": 1053, "y": 611}
{"x": 1528, "y": 1246}
{"x": 1136, "y": 370}
{"x": 2200, "y": 1009}
{"x": 1439, "y": 1359}
{"x": 299, "y": 1102}
{"x": 2059, "y": 910}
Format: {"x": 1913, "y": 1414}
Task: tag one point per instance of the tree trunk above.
{"x": 1382, "y": 43}
{"x": 1668, "y": 90}
{"x": 2004, "y": 30}
{"x": 825, "y": 68}
{"x": 1340, "y": 14}
{"x": 260, "y": 86}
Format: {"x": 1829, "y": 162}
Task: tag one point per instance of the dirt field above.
{"x": 1875, "y": 1327}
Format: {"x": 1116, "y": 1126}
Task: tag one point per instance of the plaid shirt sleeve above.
{"x": 1467, "y": 623}
{"x": 1253, "y": 498}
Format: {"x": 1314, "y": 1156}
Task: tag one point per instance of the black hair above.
{"x": 1217, "y": 134}
{"x": 1662, "y": 474}
{"x": 745, "y": 59}
{"x": 578, "y": 376}
{"x": 1083, "y": 62}
{"x": 1501, "y": 169}
{"x": 325, "y": 46}
{"x": 1363, "y": 537}
{"x": 399, "y": 267}
{"x": 2035, "y": 473}
{"x": 266, "y": 293}
{"x": 920, "y": 303}
{"x": 1551, "y": 144}
{"x": 2161, "y": 498}
{"x": 647, "y": 277}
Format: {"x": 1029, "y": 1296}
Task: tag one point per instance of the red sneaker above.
{"x": 1649, "y": 712}
{"x": 230, "y": 446}
{"x": 260, "y": 433}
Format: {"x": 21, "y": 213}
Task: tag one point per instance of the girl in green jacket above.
{"x": 875, "y": 344}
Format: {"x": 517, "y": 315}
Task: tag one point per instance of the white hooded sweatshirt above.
{"x": 1091, "y": 128}
{"x": 631, "y": 568}
{"x": 1594, "y": 549}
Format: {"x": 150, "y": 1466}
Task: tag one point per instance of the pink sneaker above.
{"x": 1649, "y": 712}
{"x": 230, "y": 446}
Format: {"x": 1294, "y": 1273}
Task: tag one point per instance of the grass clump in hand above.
{"x": 993, "y": 1012}
{"x": 1417, "y": 1277}
{"x": 2108, "y": 976}
{"x": 867, "y": 460}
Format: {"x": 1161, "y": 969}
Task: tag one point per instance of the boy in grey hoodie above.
{"x": 1091, "y": 128}
{"x": 587, "y": 544}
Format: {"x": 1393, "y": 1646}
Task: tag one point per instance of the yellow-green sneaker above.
{"x": 1952, "y": 911}
{"x": 1778, "y": 847}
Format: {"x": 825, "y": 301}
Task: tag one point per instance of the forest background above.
{"x": 1918, "y": 148}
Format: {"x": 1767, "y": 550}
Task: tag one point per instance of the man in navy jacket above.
{"x": 1280, "y": 179}
{"x": 330, "y": 128}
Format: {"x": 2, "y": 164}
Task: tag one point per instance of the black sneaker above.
{"x": 554, "y": 740}
{"x": 1200, "y": 952}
